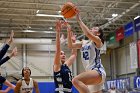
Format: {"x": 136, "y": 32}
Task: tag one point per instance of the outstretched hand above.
{"x": 11, "y": 39}
{"x": 12, "y": 35}
{"x": 78, "y": 16}
{"x": 14, "y": 52}
{"x": 66, "y": 24}
{"x": 60, "y": 24}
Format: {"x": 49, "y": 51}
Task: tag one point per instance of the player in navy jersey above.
{"x": 90, "y": 81}
{"x": 62, "y": 73}
{"x": 5, "y": 59}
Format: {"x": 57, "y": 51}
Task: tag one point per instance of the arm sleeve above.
{"x": 4, "y": 60}
{"x": 3, "y": 50}
{"x": 2, "y": 79}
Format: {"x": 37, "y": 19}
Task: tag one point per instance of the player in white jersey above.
{"x": 27, "y": 84}
{"x": 90, "y": 81}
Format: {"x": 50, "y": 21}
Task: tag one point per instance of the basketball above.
{"x": 69, "y": 10}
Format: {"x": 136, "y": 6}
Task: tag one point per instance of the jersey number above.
{"x": 86, "y": 55}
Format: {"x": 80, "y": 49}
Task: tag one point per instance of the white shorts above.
{"x": 95, "y": 88}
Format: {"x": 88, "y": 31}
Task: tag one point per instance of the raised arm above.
{"x": 36, "y": 87}
{"x": 72, "y": 44}
{"x": 13, "y": 53}
{"x": 58, "y": 50}
{"x": 10, "y": 40}
{"x": 6, "y": 46}
{"x": 4, "y": 60}
{"x": 87, "y": 31}
{"x": 72, "y": 58}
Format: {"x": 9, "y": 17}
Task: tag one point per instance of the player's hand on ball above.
{"x": 78, "y": 16}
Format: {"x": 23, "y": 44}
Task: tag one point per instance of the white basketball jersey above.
{"x": 90, "y": 56}
{"x": 27, "y": 88}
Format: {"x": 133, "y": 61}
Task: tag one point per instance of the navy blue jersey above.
{"x": 2, "y": 80}
{"x": 63, "y": 79}
{"x": 1, "y": 84}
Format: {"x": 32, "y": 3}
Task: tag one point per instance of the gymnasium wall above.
{"x": 106, "y": 63}
{"x": 123, "y": 61}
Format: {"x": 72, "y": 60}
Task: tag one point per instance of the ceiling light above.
{"x": 59, "y": 12}
{"x": 136, "y": 17}
{"x": 49, "y": 15}
{"x": 32, "y": 41}
{"x": 37, "y": 11}
{"x": 49, "y": 32}
{"x": 28, "y": 31}
{"x": 114, "y": 15}
{"x": 50, "y": 28}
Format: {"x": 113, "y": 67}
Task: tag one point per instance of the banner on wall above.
{"x": 111, "y": 41}
{"x": 138, "y": 45}
{"x": 110, "y": 84}
{"x": 121, "y": 83}
{"x": 111, "y": 38}
{"x": 137, "y": 24}
{"x": 136, "y": 82}
{"x": 133, "y": 55}
{"x": 128, "y": 29}
{"x": 119, "y": 34}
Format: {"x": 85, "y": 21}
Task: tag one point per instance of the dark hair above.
{"x": 23, "y": 71}
{"x": 101, "y": 36}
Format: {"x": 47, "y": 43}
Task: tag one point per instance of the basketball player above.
{"x": 3, "y": 60}
{"x": 62, "y": 73}
{"x": 2, "y": 79}
{"x": 90, "y": 81}
{"x": 27, "y": 84}
{"x": 5, "y": 48}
